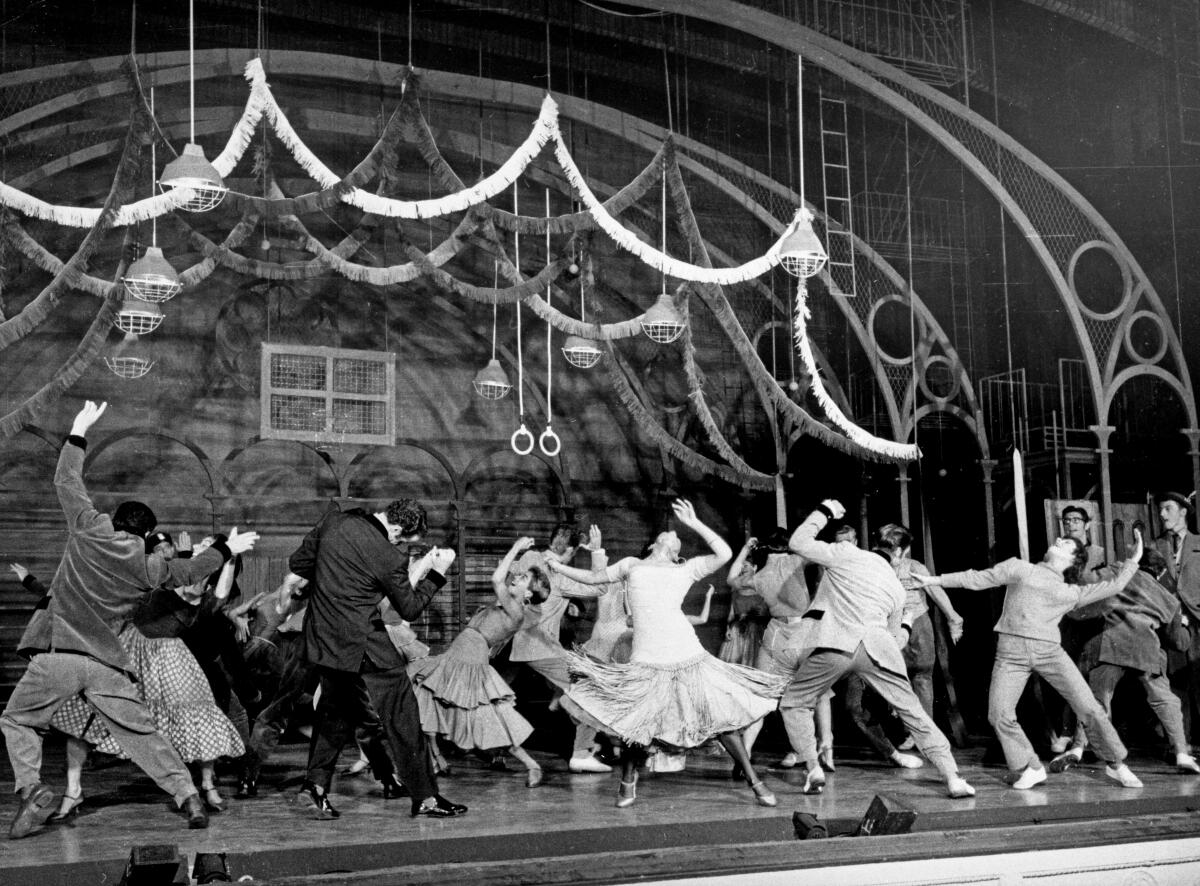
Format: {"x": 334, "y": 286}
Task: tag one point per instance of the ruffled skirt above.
{"x": 462, "y": 697}
{"x": 676, "y": 705}
{"x": 177, "y": 693}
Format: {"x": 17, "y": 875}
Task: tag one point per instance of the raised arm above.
{"x": 735, "y": 580}
{"x": 1098, "y": 591}
{"x": 1004, "y": 573}
{"x": 721, "y": 552}
{"x": 68, "y": 477}
{"x": 804, "y": 539}
{"x": 500, "y": 576}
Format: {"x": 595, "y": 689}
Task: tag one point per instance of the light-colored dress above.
{"x": 461, "y": 696}
{"x": 671, "y": 693}
{"x": 748, "y": 619}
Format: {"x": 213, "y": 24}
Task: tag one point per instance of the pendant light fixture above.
{"x": 579, "y": 351}
{"x": 801, "y": 252}
{"x": 151, "y": 277}
{"x": 491, "y": 382}
{"x": 128, "y": 367}
{"x": 136, "y": 317}
{"x": 191, "y": 169}
{"x": 662, "y": 322}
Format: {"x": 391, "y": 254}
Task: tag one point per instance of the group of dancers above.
{"x": 136, "y": 650}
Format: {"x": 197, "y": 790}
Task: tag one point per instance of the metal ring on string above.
{"x": 549, "y": 434}
{"x": 518, "y": 433}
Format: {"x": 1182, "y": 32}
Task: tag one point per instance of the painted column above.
{"x": 1193, "y": 435}
{"x": 903, "y": 480}
{"x": 988, "y": 466}
{"x": 1103, "y": 432}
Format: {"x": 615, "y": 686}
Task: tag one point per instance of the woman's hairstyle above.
{"x": 539, "y": 583}
{"x": 569, "y": 534}
{"x": 154, "y": 539}
{"x": 775, "y": 543}
{"x": 1152, "y": 561}
{"x": 1073, "y": 573}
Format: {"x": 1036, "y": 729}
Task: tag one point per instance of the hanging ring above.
{"x": 518, "y": 434}
{"x": 549, "y": 434}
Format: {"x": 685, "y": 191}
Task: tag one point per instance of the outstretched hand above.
{"x": 18, "y": 570}
{"x": 594, "y": 539}
{"x": 87, "y": 416}
{"x": 684, "y": 512}
{"x": 524, "y": 543}
{"x": 1139, "y": 547}
{"x": 240, "y": 542}
{"x": 440, "y": 559}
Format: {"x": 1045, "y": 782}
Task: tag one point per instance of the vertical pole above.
{"x": 1103, "y": 432}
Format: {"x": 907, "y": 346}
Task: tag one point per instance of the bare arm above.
{"x": 739, "y": 563}
{"x": 721, "y": 552}
{"x": 500, "y": 576}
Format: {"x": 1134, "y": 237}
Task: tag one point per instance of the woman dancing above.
{"x": 1035, "y": 601}
{"x": 460, "y": 695}
{"x": 671, "y": 694}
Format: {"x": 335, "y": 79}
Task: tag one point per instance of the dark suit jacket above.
{"x": 1187, "y": 574}
{"x": 351, "y": 567}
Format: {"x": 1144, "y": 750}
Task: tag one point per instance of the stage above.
{"x": 684, "y": 824}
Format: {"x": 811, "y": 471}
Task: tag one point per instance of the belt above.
{"x": 790, "y": 619}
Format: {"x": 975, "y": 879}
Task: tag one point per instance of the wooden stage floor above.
{"x": 698, "y": 818}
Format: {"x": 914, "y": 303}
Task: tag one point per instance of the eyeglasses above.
{"x": 1073, "y": 520}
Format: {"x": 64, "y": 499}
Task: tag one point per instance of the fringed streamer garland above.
{"x": 888, "y": 448}
{"x": 483, "y": 294}
{"x": 243, "y": 132}
{"x": 764, "y": 382}
{"x": 79, "y": 217}
{"x": 128, "y": 171}
{"x": 17, "y": 237}
{"x": 657, "y": 259}
{"x": 675, "y": 448}
{"x": 696, "y": 395}
{"x": 85, "y": 354}
{"x": 211, "y": 251}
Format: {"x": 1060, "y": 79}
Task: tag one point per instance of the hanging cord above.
{"x": 549, "y": 442}
{"x": 192, "y": 70}
{"x": 667, "y": 80}
{"x": 912, "y": 314}
{"x": 546, "y": 16}
{"x": 521, "y": 433}
{"x": 410, "y": 55}
{"x": 495, "y": 305}
{"x": 153, "y": 175}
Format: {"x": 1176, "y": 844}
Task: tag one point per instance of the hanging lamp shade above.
{"x": 128, "y": 367}
{"x": 492, "y": 382}
{"x": 800, "y": 251}
{"x": 662, "y": 322}
{"x": 191, "y": 170}
{"x": 151, "y": 277}
{"x": 581, "y": 352}
{"x": 137, "y": 317}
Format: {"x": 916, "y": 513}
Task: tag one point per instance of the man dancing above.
{"x": 73, "y": 644}
{"x": 352, "y": 560}
{"x": 856, "y": 618}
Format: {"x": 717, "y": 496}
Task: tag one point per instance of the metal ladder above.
{"x": 835, "y": 181}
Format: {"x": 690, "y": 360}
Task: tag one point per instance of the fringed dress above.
{"x": 672, "y": 693}
{"x": 744, "y": 632}
{"x": 461, "y": 696}
{"x": 174, "y": 688}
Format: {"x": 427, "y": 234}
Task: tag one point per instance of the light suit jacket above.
{"x": 860, "y": 599}
{"x": 1187, "y": 574}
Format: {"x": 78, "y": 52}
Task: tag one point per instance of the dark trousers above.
{"x": 295, "y": 678}
{"x": 380, "y": 704}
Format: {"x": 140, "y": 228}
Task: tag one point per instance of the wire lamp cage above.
{"x": 137, "y": 317}
{"x": 128, "y": 367}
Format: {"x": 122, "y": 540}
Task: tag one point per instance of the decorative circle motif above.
{"x": 1126, "y": 280}
{"x": 938, "y": 374}
{"x": 872, "y": 317}
{"x": 549, "y": 435}
{"x": 521, "y": 432}
{"x": 1131, "y": 348}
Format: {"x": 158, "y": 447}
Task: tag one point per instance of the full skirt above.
{"x": 462, "y": 697}
{"x": 675, "y": 705}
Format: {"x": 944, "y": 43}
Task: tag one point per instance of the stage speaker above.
{"x": 886, "y": 815}
{"x": 211, "y": 867}
{"x": 807, "y": 827}
{"x": 155, "y": 865}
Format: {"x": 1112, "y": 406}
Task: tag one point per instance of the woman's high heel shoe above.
{"x": 825, "y": 758}
{"x": 626, "y": 794}
{"x": 213, "y": 799}
{"x": 533, "y": 778}
{"x": 68, "y": 810}
{"x": 763, "y": 795}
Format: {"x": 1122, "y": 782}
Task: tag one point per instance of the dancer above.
{"x": 537, "y": 643}
{"x": 1037, "y": 597}
{"x": 856, "y": 618}
{"x": 460, "y": 695}
{"x": 1134, "y": 620}
{"x": 73, "y": 642}
{"x": 781, "y": 584}
{"x": 1181, "y": 547}
{"x": 352, "y": 560}
{"x": 672, "y": 693}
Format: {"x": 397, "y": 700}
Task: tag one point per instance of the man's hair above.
{"x": 846, "y": 532}
{"x": 409, "y": 515}
{"x": 895, "y": 536}
{"x": 569, "y": 530}
{"x": 1075, "y": 509}
{"x": 135, "y": 518}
